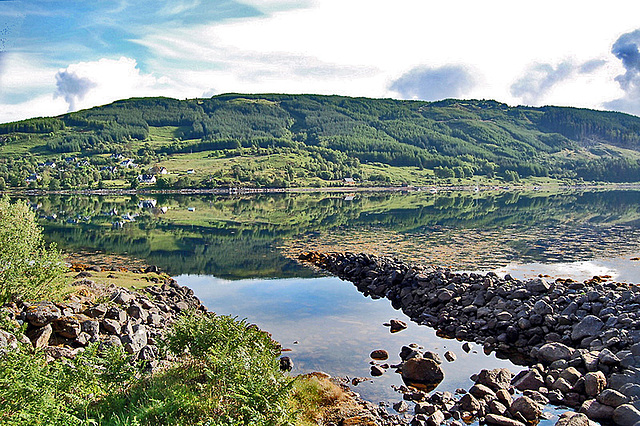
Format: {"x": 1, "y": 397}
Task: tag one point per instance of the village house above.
{"x": 157, "y": 170}
{"x": 147, "y": 179}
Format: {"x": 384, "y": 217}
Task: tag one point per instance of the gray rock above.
{"x": 68, "y": 327}
{"x": 596, "y": 411}
{"x": 571, "y": 418}
{"x": 626, "y": 415}
{"x": 532, "y": 380}
{"x": 116, "y": 314}
{"x": 496, "y": 379}
{"x": 527, "y": 407}
{"x": 41, "y": 313}
{"x": 589, "y": 326}
{"x": 538, "y": 285}
{"x": 494, "y": 419}
{"x": 8, "y": 342}
{"x": 91, "y": 327}
{"x": 555, "y": 351}
{"x": 432, "y": 355}
{"x": 436, "y": 419}
{"x": 111, "y": 326}
{"x": 401, "y": 406}
{"x": 149, "y": 353}
{"x": 121, "y": 297}
{"x": 40, "y": 336}
{"x": 612, "y": 398}
{"x": 607, "y": 357}
{"x": 469, "y": 403}
{"x": 571, "y": 375}
{"x": 481, "y": 391}
{"x": 136, "y": 340}
{"x": 57, "y": 352}
{"x": 97, "y": 311}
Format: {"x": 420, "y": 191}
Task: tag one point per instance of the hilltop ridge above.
{"x": 277, "y": 140}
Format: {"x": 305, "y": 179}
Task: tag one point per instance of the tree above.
{"x": 29, "y": 269}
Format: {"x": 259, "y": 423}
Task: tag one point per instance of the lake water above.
{"x": 238, "y": 254}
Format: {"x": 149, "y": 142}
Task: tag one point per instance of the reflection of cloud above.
{"x": 432, "y": 84}
{"x": 626, "y": 48}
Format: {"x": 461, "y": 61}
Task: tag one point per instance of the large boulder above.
{"x": 555, "y": 351}
{"x": 41, "y": 313}
{"x": 571, "y": 418}
{"x": 526, "y": 407}
{"x": 496, "y": 379}
{"x": 589, "y": 326}
{"x": 594, "y": 383}
{"x": 423, "y": 373}
{"x": 626, "y": 415}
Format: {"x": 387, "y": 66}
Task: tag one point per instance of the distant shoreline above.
{"x": 342, "y": 189}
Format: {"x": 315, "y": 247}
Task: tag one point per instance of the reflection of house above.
{"x": 348, "y": 180}
{"x": 157, "y": 170}
{"x": 147, "y": 204}
{"x": 148, "y": 179}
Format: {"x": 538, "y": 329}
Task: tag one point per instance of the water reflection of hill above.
{"x": 243, "y": 237}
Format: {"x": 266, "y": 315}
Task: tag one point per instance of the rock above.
{"x": 626, "y": 415}
{"x": 532, "y": 380}
{"x": 571, "y": 418}
{"x": 498, "y": 378}
{"x": 96, "y": 311}
{"x": 408, "y": 352}
{"x": 505, "y": 397}
{"x": 151, "y": 268}
{"x": 433, "y": 356}
{"x": 91, "y": 327}
{"x": 41, "y": 313}
{"x": 497, "y": 407}
{"x": 606, "y": 357}
{"x": 150, "y": 353}
{"x": 435, "y": 419}
{"x": 57, "y": 352}
{"x": 555, "y": 351}
{"x": 68, "y": 327}
{"x": 379, "y": 354}
{"x": 449, "y": 356}
{"x": 40, "y": 336}
{"x": 538, "y": 285}
{"x": 8, "y": 342}
{"x": 286, "y": 364}
{"x": 589, "y": 326}
{"x": 466, "y": 347}
{"x": 611, "y": 398}
{"x": 397, "y": 325}
{"x": 594, "y": 383}
{"x": 571, "y": 375}
{"x": 596, "y": 411}
{"x": 494, "y": 419}
{"x": 136, "y": 340}
{"x": 481, "y": 391}
{"x": 469, "y": 403}
{"x": 526, "y": 407}
{"x": 401, "y": 406}
{"x": 422, "y": 373}
{"x": 377, "y": 370}
{"x": 121, "y": 297}
{"x": 116, "y": 314}
{"x": 110, "y": 326}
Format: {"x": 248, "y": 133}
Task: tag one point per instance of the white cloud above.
{"x": 86, "y": 84}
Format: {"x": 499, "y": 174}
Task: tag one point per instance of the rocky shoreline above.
{"x": 581, "y": 341}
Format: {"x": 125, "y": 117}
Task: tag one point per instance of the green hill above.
{"x": 310, "y": 140}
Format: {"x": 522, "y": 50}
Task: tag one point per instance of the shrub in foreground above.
{"x": 29, "y": 269}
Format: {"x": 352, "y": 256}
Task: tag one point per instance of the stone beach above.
{"x": 580, "y": 340}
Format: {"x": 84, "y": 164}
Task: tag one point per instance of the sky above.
{"x": 60, "y": 56}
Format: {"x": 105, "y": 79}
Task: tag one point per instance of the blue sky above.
{"x": 57, "y": 56}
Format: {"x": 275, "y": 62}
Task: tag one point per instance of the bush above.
{"x": 227, "y": 374}
{"x": 29, "y": 269}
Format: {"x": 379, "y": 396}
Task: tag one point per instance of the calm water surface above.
{"x": 238, "y": 255}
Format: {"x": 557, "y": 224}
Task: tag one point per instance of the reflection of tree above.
{"x": 236, "y": 237}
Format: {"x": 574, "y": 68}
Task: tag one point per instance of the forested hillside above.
{"x": 309, "y": 140}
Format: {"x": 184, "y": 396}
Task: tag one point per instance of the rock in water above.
{"x": 397, "y": 325}
{"x": 422, "y": 373}
{"x": 379, "y": 354}
{"x": 286, "y": 364}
